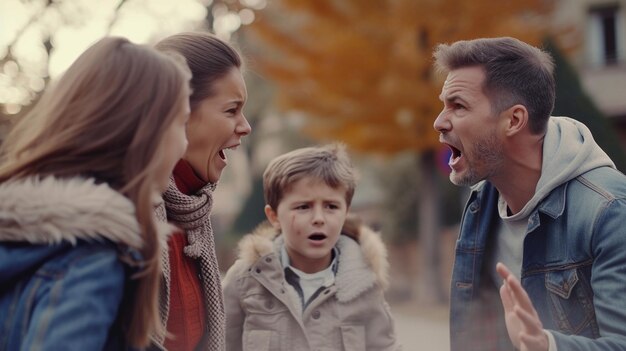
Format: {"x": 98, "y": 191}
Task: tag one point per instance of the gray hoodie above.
{"x": 568, "y": 151}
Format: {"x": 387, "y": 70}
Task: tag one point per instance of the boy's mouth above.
{"x": 317, "y": 237}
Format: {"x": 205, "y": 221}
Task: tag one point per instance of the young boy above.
{"x": 298, "y": 283}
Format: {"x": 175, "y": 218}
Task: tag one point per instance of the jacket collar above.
{"x": 361, "y": 264}
{"x": 554, "y": 204}
{"x": 52, "y": 210}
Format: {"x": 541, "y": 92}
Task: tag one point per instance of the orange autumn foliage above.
{"x": 362, "y": 69}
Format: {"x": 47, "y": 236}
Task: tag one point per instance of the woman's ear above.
{"x": 272, "y": 216}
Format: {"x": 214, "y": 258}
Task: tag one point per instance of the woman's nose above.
{"x": 243, "y": 127}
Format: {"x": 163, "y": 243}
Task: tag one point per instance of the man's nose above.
{"x": 442, "y": 123}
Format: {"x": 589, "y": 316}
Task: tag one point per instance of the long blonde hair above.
{"x": 104, "y": 119}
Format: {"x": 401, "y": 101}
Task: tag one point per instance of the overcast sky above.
{"x": 76, "y": 24}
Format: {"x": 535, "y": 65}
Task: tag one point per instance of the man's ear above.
{"x": 516, "y": 119}
{"x": 272, "y": 216}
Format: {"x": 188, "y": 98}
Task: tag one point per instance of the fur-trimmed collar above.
{"x": 361, "y": 263}
{"x": 52, "y": 210}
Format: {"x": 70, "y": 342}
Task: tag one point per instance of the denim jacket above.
{"x": 574, "y": 262}
{"x": 61, "y": 278}
{"x": 61, "y": 297}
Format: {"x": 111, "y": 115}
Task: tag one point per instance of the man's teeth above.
{"x": 456, "y": 153}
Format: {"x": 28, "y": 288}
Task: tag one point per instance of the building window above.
{"x": 604, "y": 42}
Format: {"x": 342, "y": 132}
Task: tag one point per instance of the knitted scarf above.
{"x": 191, "y": 214}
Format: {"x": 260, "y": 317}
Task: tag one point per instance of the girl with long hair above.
{"x": 79, "y": 178}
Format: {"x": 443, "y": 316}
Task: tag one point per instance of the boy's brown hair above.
{"x": 329, "y": 163}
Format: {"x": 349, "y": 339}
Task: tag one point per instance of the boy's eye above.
{"x": 302, "y": 207}
{"x": 332, "y": 206}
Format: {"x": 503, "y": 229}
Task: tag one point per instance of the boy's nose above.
{"x": 318, "y": 216}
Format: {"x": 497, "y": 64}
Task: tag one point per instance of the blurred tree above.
{"x": 252, "y": 213}
{"x": 399, "y": 219}
{"x": 32, "y": 38}
{"x": 572, "y": 101}
{"x": 363, "y": 70}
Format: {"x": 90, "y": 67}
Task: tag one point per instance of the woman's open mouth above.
{"x": 222, "y": 152}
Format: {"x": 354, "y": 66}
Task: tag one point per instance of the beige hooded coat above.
{"x": 263, "y": 312}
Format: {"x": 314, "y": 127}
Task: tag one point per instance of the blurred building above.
{"x": 600, "y": 26}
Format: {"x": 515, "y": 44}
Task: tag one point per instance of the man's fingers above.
{"x": 530, "y": 323}
{"x": 502, "y": 270}
{"x": 505, "y": 296}
{"x": 519, "y": 294}
{"x": 523, "y": 324}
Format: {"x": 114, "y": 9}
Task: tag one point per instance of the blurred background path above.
{"x": 421, "y": 329}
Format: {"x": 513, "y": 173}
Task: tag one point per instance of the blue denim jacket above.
{"x": 574, "y": 262}
{"x": 60, "y": 297}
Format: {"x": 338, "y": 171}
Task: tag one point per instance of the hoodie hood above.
{"x": 362, "y": 261}
{"x": 569, "y": 150}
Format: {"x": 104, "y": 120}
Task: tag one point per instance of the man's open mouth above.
{"x": 456, "y": 154}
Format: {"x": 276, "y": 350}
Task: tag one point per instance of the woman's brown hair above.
{"x": 105, "y": 119}
{"x": 209, "y": 59}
